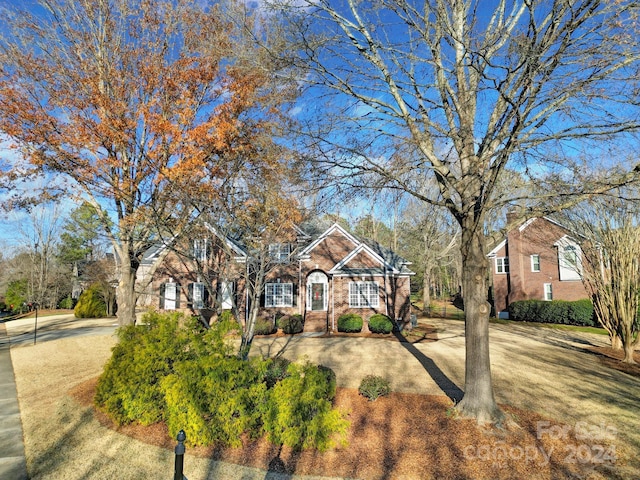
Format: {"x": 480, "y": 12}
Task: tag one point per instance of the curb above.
{"x": 13, "y": 463}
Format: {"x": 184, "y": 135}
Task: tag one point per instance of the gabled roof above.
{"x": 333, "y": 228}
{"x": 389, "y": 261}
{"x": 359, "y": 249}
{"x": 232, "y": 244}
{"x": 523, "y": 227}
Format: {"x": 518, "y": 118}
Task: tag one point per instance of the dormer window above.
{"x": 200, "y": 249}
{"x": 279, "y": 252}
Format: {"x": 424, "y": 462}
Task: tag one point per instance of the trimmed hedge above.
{"x": 379, "y": 323}
{"x": 291, "y": 324}
{"x": 350, "y": 323}
{"x": 579, "y": 312}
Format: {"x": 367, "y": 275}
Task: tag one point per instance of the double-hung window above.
{"x": 279, "y": 252}
{"x": 200, "y": 249}
{"x": 198, "y": 295}
{"x": 548, "y": 292}
{"x": 535, "y": 263}
{"x": 278, "y": 295}
{"x": 502, "y": 265}
{"x": 363, "y": 294}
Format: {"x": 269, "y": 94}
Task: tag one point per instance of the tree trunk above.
{"x": 478, "y": 401}
{"x": 426, "y": 293}
{"x": 126, "y": 291}
{"x": 248, "y": 334}
{"x": 629, "y": 348}
{"x": 616, "y": 343}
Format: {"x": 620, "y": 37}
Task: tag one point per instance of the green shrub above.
{"x": 129, "y": 388}
{"x": 379, "y": 323}
{"x": 215, "y": 399}
{"x": 170, "y": 368}
{"x": 299, "y": 414}
{"x": 350, "y": 323}
{"x": 291, "y": 324}
{"x": 67, "y": 303}
{"x": 91, "y": 303}
{"x": 579, "y": 312}
{"x": 276, "y": 370}
{"x": 264, "y": 326}
{"x": 226, "y": 316}
{"x": 374, "y": 386}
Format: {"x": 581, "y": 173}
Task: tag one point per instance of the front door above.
{"x": 317, "y": 296}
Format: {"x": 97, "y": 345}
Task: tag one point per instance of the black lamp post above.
{"x": 35, "y": 330}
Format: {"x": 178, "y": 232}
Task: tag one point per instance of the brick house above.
{"x": 320, "y": 276}
{"x": 541, "y": 260}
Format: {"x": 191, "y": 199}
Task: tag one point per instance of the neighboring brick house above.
{"x": 538, "y": 260}
{"x": 319, "y": 276}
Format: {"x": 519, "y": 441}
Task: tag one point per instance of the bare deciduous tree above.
{"x": 461, "y": 89}
{"x": 610, "y": 243}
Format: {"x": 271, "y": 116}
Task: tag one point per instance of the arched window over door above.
{"x": 317, "y": 291}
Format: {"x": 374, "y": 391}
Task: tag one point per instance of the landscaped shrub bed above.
{"x": 379, "y": 323}
{"x": 291, "y": 324}
{"x": 171, "y": 369}
{"x": 579, "y": 312}
{"x": 350, "y": 323}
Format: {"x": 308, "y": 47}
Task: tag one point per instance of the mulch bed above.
{"x": 406, "y": 436}
{"x": 612, "y": 359}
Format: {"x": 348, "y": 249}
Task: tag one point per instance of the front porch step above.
{"x": 315, "y": 322}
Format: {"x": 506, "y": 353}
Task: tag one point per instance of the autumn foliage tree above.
{"x": 131, "y": 102}
{"x": 459, "y": 91}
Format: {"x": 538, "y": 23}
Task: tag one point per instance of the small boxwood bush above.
{"x": 291, "y": 324}
{"x": 379, "y": 323}
{"x": 350, "y": 323}
{"x": 374, "y": 386}
{"x": 264, "y": 326}
{"x": 579, "y": 312}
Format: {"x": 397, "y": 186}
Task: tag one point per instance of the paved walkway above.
{"x": 12, "y": 459}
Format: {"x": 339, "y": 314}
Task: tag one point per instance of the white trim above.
{"x": 369, "y": 295}
{"x": 569, "y": 271}
{"x": 533, "y": 264}
{"x": 318, "y": 277}
{"x": 199, "y": 287}
{"x": 283, "y": 299}
{"x": 359, "y": 249}
{"x": 494, "y": 252}
{"x": 505, "y": 265}
{"x": 241, "y": 254}
{"x": 170, "y": 303}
